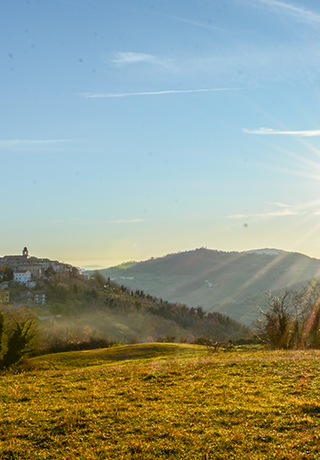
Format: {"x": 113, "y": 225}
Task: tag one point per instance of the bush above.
{"x": 204, "y": 341}
{"x": 16, "y": 337}
{"x": 167, "y": 339}
{"x": 91, "y": 343}
{"x": 292, "y": 319}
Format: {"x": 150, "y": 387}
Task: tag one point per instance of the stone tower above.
{"x": 25, "y": 251}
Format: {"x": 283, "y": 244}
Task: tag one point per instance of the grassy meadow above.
{"x": 163, "y": 401}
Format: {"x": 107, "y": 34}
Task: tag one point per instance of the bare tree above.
{"x": 275, "y": 327}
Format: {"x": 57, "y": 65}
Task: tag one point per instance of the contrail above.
{"x": 152, "y": 93}
{"x": 299, "y": 13}
{"x": 269, "y": 131}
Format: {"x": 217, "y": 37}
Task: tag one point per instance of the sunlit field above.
{"x": 163, "y": 401}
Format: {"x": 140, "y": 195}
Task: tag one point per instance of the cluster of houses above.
{"x": 27, "y": 270}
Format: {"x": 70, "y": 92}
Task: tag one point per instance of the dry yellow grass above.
{"x": 162, "y": 401}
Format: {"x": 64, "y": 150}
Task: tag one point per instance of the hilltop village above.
{"x": 28, "y": 271}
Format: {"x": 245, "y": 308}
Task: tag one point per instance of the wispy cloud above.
{"x": 153, "y": 93}
{"x": 130, "y": 58}
{"x": 124, "y": 221}
{"x": 298, "y": 13}
{"x": 208, "y": 25}
{"x": 269, "y": 131}
{"x": 120, "y": 221}
{"x": 199, "y": 24}
{"x": 5, "y": 143}
{"x": 284, "y": 213}
{"x": 281, "y": 205}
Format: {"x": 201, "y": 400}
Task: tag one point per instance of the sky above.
{"x": 132, "y": 129}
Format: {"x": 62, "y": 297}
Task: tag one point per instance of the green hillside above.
{"x": 117, "y": 354}
{"x": 229, "y": 282}
{"x": 92, "y": 313}
{"x": 163, "y": 401}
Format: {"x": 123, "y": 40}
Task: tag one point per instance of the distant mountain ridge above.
{"x": 270, "y": 252}
{"x": 228, "y": 282}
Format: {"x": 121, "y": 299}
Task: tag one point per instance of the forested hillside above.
{"x": 229, "y": 282}
{"x": 79, "y": 309}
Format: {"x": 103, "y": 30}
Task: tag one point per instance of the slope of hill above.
{"x": 229, "y": 282}
{"x": 80, "y": 312}
{"x": 163, "y": 401}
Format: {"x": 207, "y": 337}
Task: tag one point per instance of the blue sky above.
{"x": 133, "y": 129}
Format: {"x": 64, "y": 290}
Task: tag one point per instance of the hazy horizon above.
{"x": 102, "y": 264}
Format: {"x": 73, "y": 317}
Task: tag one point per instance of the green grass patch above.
{"x": 163, "y": 401}
{"x": 100, "y": 357}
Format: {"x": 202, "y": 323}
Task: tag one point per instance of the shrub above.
{"x": 167, "y": 339}
{"x": 292, "y": 319}
{"x": 16, "y": 343}
{"x": 64, "y": 344}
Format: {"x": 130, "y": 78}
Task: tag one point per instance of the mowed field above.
{"x": 163, "y": 401}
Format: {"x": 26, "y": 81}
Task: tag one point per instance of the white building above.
{"x": 22, "y": 276}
